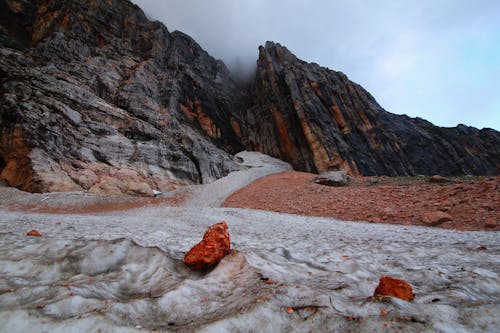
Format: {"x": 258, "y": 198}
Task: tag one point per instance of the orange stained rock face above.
{"x": 288, "y": 147}
{"x": 315, "y": 87}
{"x": 214, "y": 246}
{"x": 188, "y": 111}
{"x": 236, "y": 127}
{"x": 339, "y": 119}
{"x": 194, "y": 111}
{"x": 207, "y": 125}
{"x": 389, "y": 286}
{"x": 321, "y": 158}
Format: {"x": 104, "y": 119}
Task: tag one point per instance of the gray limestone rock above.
{"x": 96, "y": 97}
{"x": 333, "y": 178}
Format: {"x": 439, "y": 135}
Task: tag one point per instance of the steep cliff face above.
{"x": 319, "y": 120}
{"x": 94, "y": 96}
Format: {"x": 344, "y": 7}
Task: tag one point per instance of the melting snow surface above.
{"x": 123, "y": 272}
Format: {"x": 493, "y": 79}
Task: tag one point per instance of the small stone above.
{"x": 333, "y": 178}
{"x": 490, "y": 223}
{"x": 387, "y": 212}
{"x": 389, "y": 286}
{"x": 214, "y": 246}
{"x": 435, "y": 218}
{"x": 440, "y": 180}
{"x": 289, "y": 310}
{"x": 34, "y": 233}
{"x": 445, "y": 208}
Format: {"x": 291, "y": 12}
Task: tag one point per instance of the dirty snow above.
{"x": 123, "y": 271}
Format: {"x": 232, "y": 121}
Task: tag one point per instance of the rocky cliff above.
{"x": 96, "y": 97}
{"x": 319, "y": 120}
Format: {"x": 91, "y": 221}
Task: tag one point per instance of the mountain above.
{"x": 95, "y": 97}
{"x": 319, "y": 120}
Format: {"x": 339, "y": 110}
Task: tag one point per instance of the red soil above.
{"x": 469, "y": 203}
{"x": 113, "y": 203}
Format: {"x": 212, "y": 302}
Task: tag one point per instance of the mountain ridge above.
{"x": 97, "y": 97}
{"x": 324, "y": 121}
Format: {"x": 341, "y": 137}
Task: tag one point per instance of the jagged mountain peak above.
{"x": 318, "y": 120}
{"x": 96, "y": 97}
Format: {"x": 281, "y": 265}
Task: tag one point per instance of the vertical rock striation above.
{"x": 319, "y": 120}
{"x": 94, "y": 96}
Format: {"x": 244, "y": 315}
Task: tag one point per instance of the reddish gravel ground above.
{"x": 470, "y": 203}
{"x": 91, "y": 205}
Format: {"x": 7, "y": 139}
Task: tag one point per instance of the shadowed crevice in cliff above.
{"x": 3, "y": 164}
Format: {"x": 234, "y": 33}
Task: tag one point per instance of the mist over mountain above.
{"x": 425, "y": 59}
{"x": 97, "y": 97}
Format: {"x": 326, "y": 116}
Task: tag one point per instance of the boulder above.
{"x": 435, "y": 218}
{"x": 389, "y": 286}
{"x": 490, "y": 223}
{"x": 436, "y": 179}
{"x": 214, "y": 246}
{"x": 333, "y": 178}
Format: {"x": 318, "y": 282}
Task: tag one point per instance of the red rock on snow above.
{"x": 214, "y": 246}
{"x": 389, "y": 286}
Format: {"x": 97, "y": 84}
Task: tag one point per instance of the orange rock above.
{"x": 490, "y": 223}
{"x": 34, "y": 233}
{"x": 389, "y": 286}
{"x": 435, "y": 218}
{"x": 214, "y": 246}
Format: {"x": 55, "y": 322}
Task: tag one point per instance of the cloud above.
{"x": 438, "y": 60}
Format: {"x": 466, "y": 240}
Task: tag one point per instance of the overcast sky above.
{"x": 435, "y": 59}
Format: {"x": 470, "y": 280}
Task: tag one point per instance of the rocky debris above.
{"x": 333, "y": 178}
{"x": 435, "y": 218}
{"x": 318, "y": 120}
{"x": 389, "y": 286}
{"x": 96, "y": 97}
{"x": 214, "y": 246}
{"x": 395, "y": 200}
{"x": 440, "y": 180}
{"x": 491, "y": 223}
{"x": 34, "y": 233}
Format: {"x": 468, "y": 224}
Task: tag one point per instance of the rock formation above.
{"x": 96, "y": 97}
{"x": 389, "y": 286}
{"x": 214, "y": 246}
{"x": 34, "y": 233}
{"x": 318, "y": 120}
